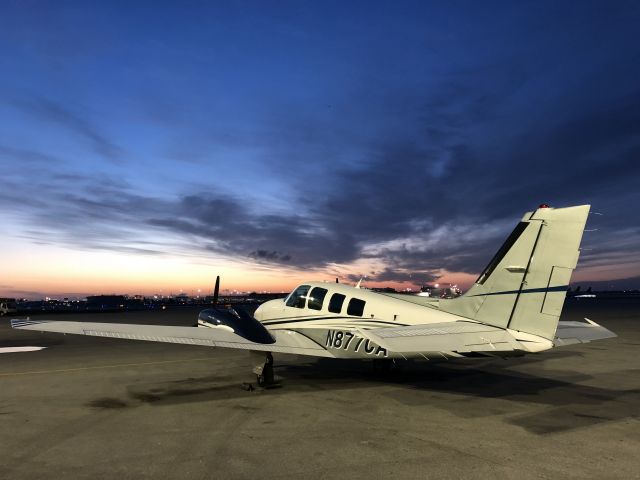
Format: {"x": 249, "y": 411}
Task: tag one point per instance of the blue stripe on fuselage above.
{"x": 561, "y": 288}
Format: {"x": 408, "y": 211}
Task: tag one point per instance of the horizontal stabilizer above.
{"x": 443, "y": 337}
{"x": 569, "y": 333}
{"x": 211, "y": 337}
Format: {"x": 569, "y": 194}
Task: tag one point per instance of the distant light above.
{"x": 544, "y": 205}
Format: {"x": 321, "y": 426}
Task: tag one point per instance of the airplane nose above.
{"x": 239, "y": 321}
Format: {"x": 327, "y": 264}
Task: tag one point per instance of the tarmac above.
{"x": 88, "y": 407}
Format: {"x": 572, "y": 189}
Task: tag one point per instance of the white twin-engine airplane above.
{"x": 512, "y": 309}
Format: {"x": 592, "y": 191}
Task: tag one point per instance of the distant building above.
{"x": 113, "y": 302}
{"x": 440, "y": 290}
{"x": 384, "y": 290}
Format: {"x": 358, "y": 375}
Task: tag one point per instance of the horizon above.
{"x": 153, "y": 147}
{"x": 624, "y": 285}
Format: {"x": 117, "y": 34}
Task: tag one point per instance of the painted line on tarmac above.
{"x": 20, "y": 349}
{"x": 97, "y": 367}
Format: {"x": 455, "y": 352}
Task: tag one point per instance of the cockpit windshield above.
{"x": 298, "y": 298}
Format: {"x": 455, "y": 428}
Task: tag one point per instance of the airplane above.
{"x": 512, "y": 309}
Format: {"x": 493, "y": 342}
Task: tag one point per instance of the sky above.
{"x": 146, "y": 147}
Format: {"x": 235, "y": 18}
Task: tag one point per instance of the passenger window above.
{"x": 316, "y": 298}
{"x": 298, "y": 297}
{"x": 356, "y": 307}
{"x": 335, "y": 304}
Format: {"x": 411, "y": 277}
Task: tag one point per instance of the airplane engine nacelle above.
{"x": 239, "y": 321}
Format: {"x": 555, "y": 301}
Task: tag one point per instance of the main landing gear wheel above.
{"x": 384, "y": 366}
{"x": 265, "y": 376}
{"x": 264, "y": 371}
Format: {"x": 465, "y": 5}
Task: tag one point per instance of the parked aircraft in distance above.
{"x": 512, "y": 309}
{"x": 8, "y": 306}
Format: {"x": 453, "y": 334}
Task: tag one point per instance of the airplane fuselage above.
{"x": 332, "y": 315}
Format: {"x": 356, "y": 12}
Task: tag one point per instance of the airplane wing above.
{"x": 286, "y": 342}
{"x": 570, "y": 333}
{"x": 461, "y": 337}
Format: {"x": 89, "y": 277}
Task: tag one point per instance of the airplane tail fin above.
{"x": 524, "y": 286}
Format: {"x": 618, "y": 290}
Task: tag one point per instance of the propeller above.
{"x": 216, "y": 291}
{"x": 236, "y": 318}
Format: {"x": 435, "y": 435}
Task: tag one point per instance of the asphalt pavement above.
{"x": 88, "y": 407}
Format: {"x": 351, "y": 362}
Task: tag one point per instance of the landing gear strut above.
{"x": 264, "y": 371}
{"x": 263, "y": 368}
{"x": 385, "y": 366}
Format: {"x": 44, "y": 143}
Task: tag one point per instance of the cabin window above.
{"x": 335, "y": 304}
{"x": 356, "y": 307}
{"x": 316, "y": 298}
{"x": 299, "y": 296}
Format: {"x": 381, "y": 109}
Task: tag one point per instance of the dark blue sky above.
{"x": 397, "y": 140}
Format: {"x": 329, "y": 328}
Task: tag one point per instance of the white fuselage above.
{"x": 336, "y": 328}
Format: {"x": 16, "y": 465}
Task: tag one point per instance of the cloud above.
{"x": 27, "y": 156}
{"x": 224, "y": 224}
{"x": 50, "y": 111}
{"x": 414, "y": 175}
{"x": 396, "y": 275}
{"x": 13, "y": 292}
{"x": 415, "y": 204}
{"x": 270, "y": 256}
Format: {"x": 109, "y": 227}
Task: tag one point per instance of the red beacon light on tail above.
{"x": 543, "y": 205}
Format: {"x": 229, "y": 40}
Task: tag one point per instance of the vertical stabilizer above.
{"x": 524, "y": 286}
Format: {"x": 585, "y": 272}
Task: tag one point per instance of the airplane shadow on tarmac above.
{"x": 540, "y": 405}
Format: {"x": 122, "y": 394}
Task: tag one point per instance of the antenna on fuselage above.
{"x": 359, "y": 282}
{"x": 337, "y": 280}
{"x": 216, "y": 291}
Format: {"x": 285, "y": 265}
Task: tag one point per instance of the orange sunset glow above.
{"x": 35, "y": 271}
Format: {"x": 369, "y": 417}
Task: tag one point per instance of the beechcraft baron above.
{"x": 512, "y": 309}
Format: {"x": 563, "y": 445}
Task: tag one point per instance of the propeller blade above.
{"x": 216, "y": 291}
